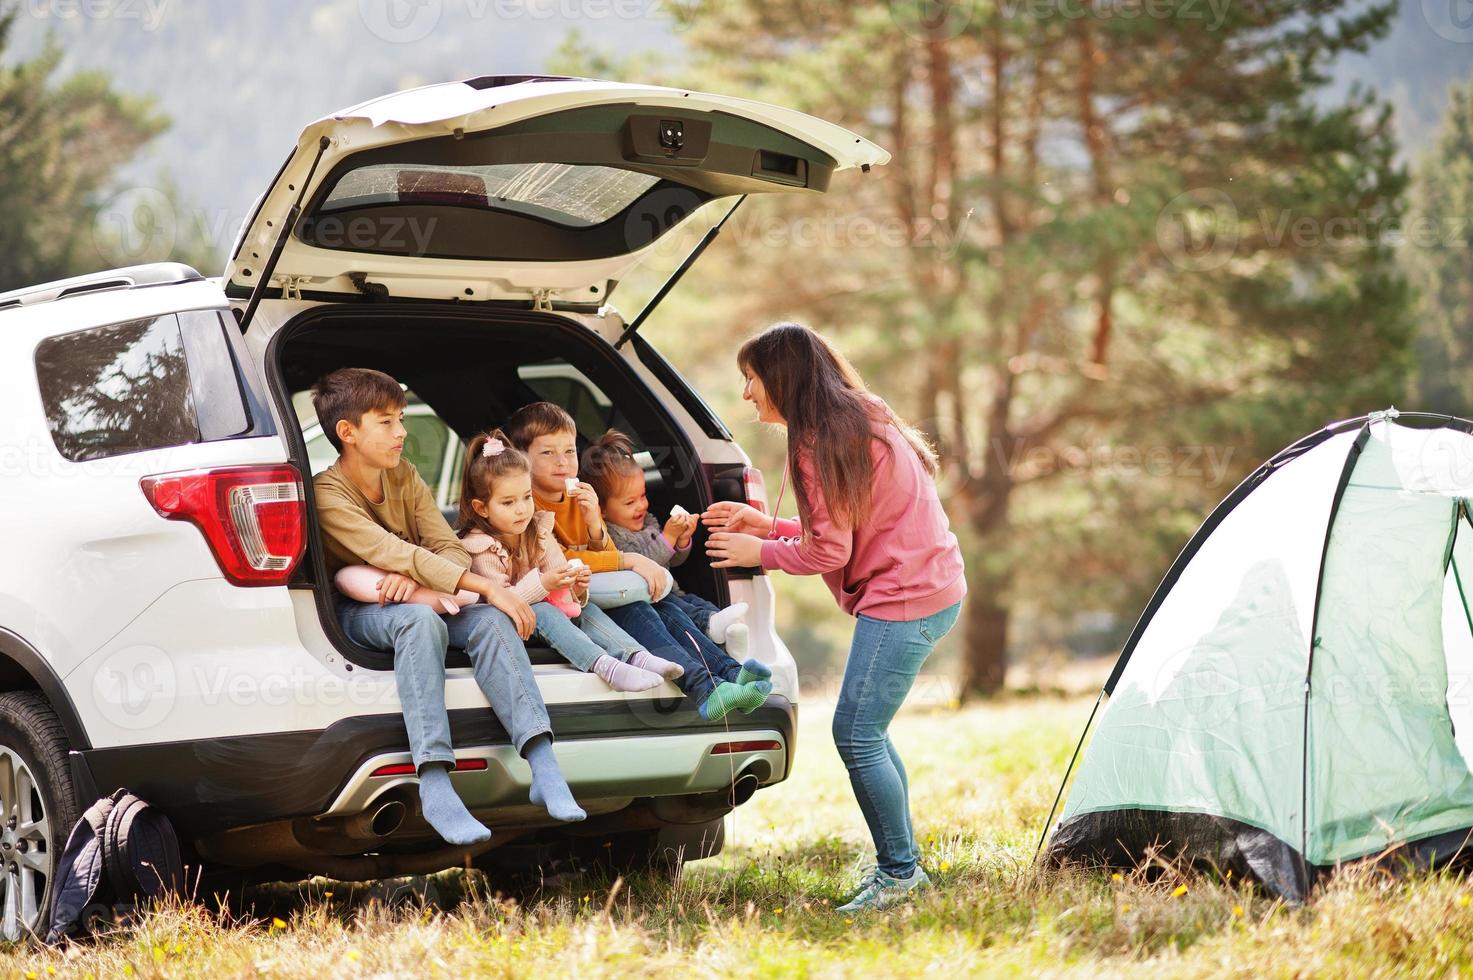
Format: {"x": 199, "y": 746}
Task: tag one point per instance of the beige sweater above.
{"x": 405, "y": 533}
{"x": 490, "y": 558}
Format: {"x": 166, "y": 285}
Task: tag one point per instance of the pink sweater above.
{"x": 490, "y": 559}
{"x": 903, "y": 564}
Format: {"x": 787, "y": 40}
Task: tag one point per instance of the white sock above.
{"x": 625, "y": 677}
{"x": 716, "y": 628}
{"x": 738, "y": 638}
{"x": 645, "y": 660}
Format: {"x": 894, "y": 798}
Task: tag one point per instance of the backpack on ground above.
{"x": 121, "y": 852}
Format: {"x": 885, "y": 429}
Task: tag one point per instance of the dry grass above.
{"x": 981, "y": 779}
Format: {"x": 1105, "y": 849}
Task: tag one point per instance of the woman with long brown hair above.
{"x": 870, "y": 522}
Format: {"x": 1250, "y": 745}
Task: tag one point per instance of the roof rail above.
{"x": 153, "y": 274}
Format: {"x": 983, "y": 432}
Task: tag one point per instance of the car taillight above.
{"x": 729, "y": 748}
{"x": 253, "y": 517}
{"x": 755, "y": 488}
{"x": 407, "y": 768}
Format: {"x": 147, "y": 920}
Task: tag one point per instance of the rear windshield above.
{"x": 573, "y": 195}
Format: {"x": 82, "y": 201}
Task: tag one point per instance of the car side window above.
{"x": 118, "y": 389}
{"x": 425, "y": 442}
{"x": 563, "y": 384}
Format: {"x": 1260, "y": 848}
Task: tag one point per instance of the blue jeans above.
{"x": 418, "y": 637}
{"x": 582, "y": 643}
{"x": 641, "y": 621}
{"x": 698, "y": 609}
{"x": 713, "y": 659}
{"x": 884, "y": 659}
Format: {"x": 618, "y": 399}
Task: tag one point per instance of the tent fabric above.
{"x": 1230, "y": 738}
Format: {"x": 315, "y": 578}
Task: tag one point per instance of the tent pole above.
{"x": 1351, "y": 458}
{"x": 1065, "y": 781}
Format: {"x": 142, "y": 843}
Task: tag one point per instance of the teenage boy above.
{"x": 375, "y": 509}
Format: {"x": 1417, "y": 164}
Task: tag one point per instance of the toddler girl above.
{"x": 618, "y": 479}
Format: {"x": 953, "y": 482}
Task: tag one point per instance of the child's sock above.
{"x": 645, "y": 660}
{"x": 625, "y": 677}
{"x": 737, "y": 641}
{"x": 720, "y": 620}
{"x": 754, "y": 670}
{"x": 763, "y": 689}
{"x": 728, "y": 696}
{"x": 549, "y": 788}
{"x": 443, "y": 809}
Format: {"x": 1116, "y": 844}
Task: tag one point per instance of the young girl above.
{"x": 718, "y": 683}
{"x": 512, "y": 544}
{"x": 610, "y": 468}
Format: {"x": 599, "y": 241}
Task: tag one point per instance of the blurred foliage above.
{"x": 1437, "y": 246}
{"x": 60, "y": 145}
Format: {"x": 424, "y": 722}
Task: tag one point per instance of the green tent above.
{"x": 1287, "y": 701}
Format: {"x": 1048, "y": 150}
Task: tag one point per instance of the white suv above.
{"x": 165, "y": 621}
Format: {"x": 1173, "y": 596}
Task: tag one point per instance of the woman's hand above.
{"x": 582, "y": 577}
{"x": 650, "y": 571}
{"x": 559, "y": 578}
{"x": 729, "y": 515}
{"x": 731, "y": 549}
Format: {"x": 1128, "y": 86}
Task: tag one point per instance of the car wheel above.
{"x": 38, "y": 810}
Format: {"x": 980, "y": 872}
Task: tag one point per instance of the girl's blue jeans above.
{"x": 582, "y": 642}
{"x": 884, "y": 659}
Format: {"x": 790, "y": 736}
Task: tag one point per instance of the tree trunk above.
{"x": 984, "y": 640}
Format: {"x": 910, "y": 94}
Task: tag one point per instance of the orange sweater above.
{"x": 572, "y": 533}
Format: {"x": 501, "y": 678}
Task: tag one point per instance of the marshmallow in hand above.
{"x": 679, "y": 511}
{"x": 571, "y": 483}
{"x": 576, "y": 564}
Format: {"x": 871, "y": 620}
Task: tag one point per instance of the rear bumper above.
{"x": 613, "y": 750}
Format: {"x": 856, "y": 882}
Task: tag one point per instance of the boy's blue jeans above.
{"x": 884, "y": 659}
{"x": 583, "y": 642}
{"x": 664, "y": 629}
{"x": 418, "y": 635}
{"x": 699, "y": 610}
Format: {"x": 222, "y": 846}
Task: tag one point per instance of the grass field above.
{"x": 981, "y": 781}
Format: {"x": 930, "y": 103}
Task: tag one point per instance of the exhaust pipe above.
{"x": 701, "y": 807}
{"x": 742, "y": 789}
{"x": 387, "y": 818}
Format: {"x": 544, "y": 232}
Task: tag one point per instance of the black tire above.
{"x": 33, "y": 763}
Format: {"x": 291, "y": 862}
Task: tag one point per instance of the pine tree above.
{"x": 1123, "y": 225}
{"x": 60, "y": 145}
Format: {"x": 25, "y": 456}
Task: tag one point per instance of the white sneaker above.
{"x": 880, "y": 891}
